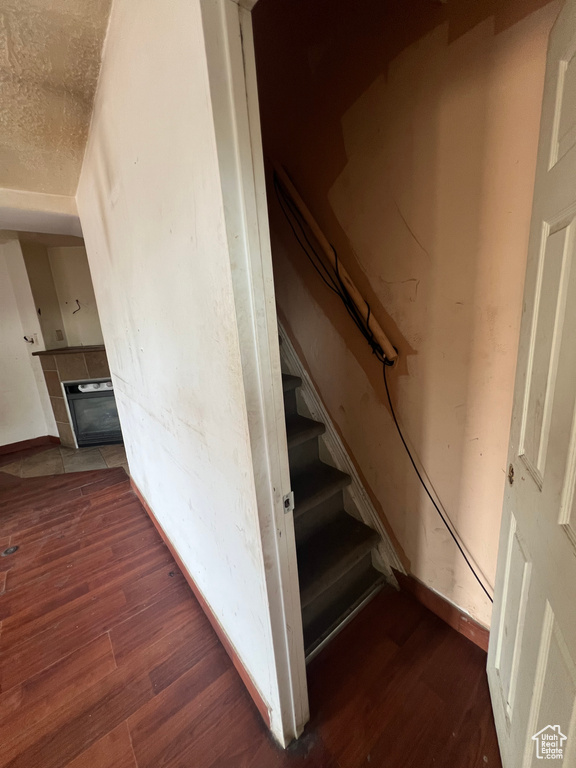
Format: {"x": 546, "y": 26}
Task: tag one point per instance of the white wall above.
{"x": 73, "y": 283}
{"x": 153, "y": 218}
{"x": 25, "y": 411}
{"x": 44, "y": 293}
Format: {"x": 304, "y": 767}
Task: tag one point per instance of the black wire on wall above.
{"x": 331, "y": 278}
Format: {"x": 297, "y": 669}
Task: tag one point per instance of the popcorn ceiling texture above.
{"x": 49, "y": 63}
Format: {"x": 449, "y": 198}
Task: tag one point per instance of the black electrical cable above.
{"x": 436, "y": 507}
{"x": 335, "y": 283}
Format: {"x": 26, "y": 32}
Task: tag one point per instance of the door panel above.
{"x": 547, "y": 324}
{"x": 517, "y": 583}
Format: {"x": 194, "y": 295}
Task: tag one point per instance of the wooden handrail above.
{"x": 379, "y": 335}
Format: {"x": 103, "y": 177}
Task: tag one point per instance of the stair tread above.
{"x": 290, "y": 382}
{"x": 316, "y": 484}
{"x": 330, "y": 553}
{"x": 299, "y": 429}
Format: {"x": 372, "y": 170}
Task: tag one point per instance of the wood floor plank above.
{"x": 28, "y": 650}
{"x": 70, "y": 730}
{"x": 191, "y": 643}
{"x": 27, "y": 605}
{"x": 79, "y": 515}
{"x": 36, "y": 599}
{"x": 114, "y": 750}
{"x": 168, "y": 729}
{"x": 23, "y": 706}
{"x": 52, "y": 557}
{"x": 115, "y": 477}
{"x": 145, "y": 627}
{"x": 23, "y": 660}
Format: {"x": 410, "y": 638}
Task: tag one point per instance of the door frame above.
{"x": 233, "y": 86}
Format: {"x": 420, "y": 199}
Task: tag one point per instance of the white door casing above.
{"x": 532, "y": 653}
{"x": 233, "y": 87}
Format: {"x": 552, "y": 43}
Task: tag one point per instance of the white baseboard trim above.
{"x": 387, "y": 557}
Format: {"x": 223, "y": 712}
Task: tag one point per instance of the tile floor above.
{"x": 59, "y": 460}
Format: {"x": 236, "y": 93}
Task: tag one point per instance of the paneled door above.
{"x": 532, "y": 654}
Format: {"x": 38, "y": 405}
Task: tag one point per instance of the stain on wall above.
{"x": 411, "y": 130}
{"x": 49, "y": 62}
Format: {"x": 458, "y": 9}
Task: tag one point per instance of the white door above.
{"x": 532, "y": 653}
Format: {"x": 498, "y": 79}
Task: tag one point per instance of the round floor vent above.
{"x": 10, "y": 551}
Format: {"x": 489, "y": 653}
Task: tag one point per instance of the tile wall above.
{"x": 74, "y": 366}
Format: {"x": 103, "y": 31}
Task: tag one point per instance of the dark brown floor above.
{"x": 107, "y": 661}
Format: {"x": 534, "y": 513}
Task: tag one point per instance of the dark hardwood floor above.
{"x": 107, "y": 661}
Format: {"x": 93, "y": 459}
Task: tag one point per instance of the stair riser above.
{"x": 290, "y": 406}
{"x": 302, "y": 456}
{"x": 303, "y": 507}
{"x": 322, "y": 514}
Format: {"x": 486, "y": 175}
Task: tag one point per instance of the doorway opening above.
{"x": 57, "y": 363}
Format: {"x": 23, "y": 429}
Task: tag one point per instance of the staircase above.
{"x": 334, "y": 549}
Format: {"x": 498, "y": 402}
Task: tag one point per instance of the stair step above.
{"x": 335, "y": 607}
{"x": 330, "y": 553}
{"x": 290, "y": 382}
{"x": 334, "y": 549}
{"x": 315, "y": 485}
{"x": 317, "y": 518}
{"x": 299, "y": 429}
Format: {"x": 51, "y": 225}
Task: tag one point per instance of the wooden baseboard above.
{"x": 222, "y": 636}
{"x": 449, "y": 613}
{"x": 34, "y": 442}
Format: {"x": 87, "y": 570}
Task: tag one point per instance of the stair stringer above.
{"x": 357, "y": 502}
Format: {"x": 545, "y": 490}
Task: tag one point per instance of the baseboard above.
{"x": 445, "y": 610}
{"x": 216, "y": 626}
{"x": 34, "y": 442}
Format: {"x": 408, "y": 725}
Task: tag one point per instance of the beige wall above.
{"x": 412, "y": 136}
{"x": 74, "y": 284}
{"x": 58, "y": 277}
{"x": 44, "y": 293}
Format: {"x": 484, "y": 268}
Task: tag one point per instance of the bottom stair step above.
{"x": 328, "y": 554}
{"x": 331, "y": 611}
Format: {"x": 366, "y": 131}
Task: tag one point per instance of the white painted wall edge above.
{"x": 39, "y": 212}
{"x": 388, "y": 557}
{"x": 233, "y": 86}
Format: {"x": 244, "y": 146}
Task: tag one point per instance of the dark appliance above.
{"x": 94, "y": 413}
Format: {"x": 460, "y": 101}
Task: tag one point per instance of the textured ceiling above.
{"x": 49, "y": 63}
